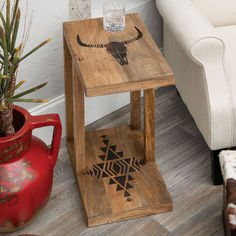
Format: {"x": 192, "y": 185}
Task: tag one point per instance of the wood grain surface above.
{"x": 149, "y": 124}
{"x": 99, "y": 71}
{"x": 68, "y": 84}
{"x": 79, "y": 124}
{"x": 135, "y": 113}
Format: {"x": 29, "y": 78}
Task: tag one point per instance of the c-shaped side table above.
{"x": 115, "y": 168}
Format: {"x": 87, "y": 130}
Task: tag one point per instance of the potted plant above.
{"x": 26, "y": 163}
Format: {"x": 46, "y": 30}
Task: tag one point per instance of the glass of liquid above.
{"x": 113, "y": 16}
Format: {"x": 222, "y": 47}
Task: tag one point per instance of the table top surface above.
{"x": 109, "y": 63}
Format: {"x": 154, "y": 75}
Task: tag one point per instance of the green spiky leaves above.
{"x": 11, "y": 56}
{"x": 30, "y": 90}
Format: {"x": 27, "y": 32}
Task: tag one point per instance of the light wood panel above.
{"x": 135, "y": 113}
{"x": 79, "y": 124}
{"x": 68, "y": 84}
{"x": 149, "y": 125}
{"x": 100, "y": 72}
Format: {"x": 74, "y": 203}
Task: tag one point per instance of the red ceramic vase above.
{"x": 26, "y": 169}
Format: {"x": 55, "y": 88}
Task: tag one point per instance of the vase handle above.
{"x": 50, "y": 120}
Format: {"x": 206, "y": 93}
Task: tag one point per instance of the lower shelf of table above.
{"x": 119, "y": 184}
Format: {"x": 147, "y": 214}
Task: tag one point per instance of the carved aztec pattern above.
{"x": 12, "y": 181}
{"x": 115, "y": 167}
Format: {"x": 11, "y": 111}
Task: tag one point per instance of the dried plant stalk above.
{"x": 7, "y": 119}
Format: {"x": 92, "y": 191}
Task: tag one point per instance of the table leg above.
{"x": 68, "y": 92}
{"x": 135, "y": 113}
{"x": 79, "y": 124}
{"x": 149, "y": 125}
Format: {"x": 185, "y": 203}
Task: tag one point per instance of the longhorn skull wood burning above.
{"x": 117, "y": 49}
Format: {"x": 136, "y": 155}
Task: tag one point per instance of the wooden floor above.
{"x": 183, "y": 159}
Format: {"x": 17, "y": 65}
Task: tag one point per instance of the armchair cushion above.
{"x": 218, "y": 12}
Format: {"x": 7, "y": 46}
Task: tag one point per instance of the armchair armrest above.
{"x": 190, "y": 27}
{"x": 201, "y": 43}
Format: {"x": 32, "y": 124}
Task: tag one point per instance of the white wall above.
{"x": 47, "y": 63}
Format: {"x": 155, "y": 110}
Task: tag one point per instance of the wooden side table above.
{"x": 115, "y": 168}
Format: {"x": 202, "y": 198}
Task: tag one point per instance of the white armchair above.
{"x": 200, "y": 47}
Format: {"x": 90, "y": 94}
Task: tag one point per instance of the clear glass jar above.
{"x": 113, "y": 16}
